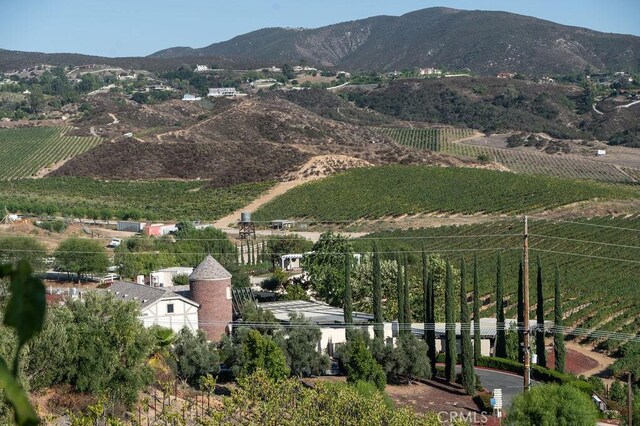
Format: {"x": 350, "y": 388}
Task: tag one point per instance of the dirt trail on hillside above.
{"x": 316, "y": 168}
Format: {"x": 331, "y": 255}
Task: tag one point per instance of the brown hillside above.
{"x": 247, "y": 140}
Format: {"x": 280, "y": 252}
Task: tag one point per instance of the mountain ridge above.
{"x": 486, "y": 42}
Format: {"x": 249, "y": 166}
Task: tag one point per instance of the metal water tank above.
{"x": 245, "y": 217}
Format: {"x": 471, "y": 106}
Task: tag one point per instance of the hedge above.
{"x": 537, "y": 372}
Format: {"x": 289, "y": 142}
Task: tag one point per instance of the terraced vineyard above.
{"x": 152, "y": 200}
{"x": 25, "y": 151}
{"x": 519, "y": 161}
{"x": 378, "y": 192}
{"x": 598, "y": 260}
{"x": 432, "y": 139}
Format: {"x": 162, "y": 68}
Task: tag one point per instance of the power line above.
{"x": 585, "y": 224}
{"x": 584, "y": 241}
{"x": 590, "y": 256}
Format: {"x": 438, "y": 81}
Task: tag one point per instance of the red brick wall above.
{"x": 215, "y": 309}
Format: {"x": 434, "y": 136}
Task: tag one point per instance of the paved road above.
{"x": 511, "y": 384}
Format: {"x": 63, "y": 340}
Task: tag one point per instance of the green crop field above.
{"x": 152, "y": 200}
{"x": 25, "y": 151}
{"x": 520, "y": 161}
{"x": 377, "y": 192}
{"x": 432, "y": 139}
{"x": 597, "y": 259}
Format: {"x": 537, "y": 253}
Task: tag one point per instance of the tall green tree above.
{"x": 325, "y": 267}
{"x": 468, "y": 373}
{"x": 451, "y": 352}
{"x": 378, "y": 316}
{"x": 558, "y": 334}
{"x": 81, "y": 256}
{"x": 540, "y": 349}
{"x": 408, "y": 318}
{"x": 501, "y": 341}
{"x": 348, "y": 306}
{"x": 14, "y": 248}
{"x": 263, "y": 353}
{"x": 431, "y": 332}
{"x": 520, "y": 327}
{"x": 400, "y": 295}
{"x": 477, "y": 345}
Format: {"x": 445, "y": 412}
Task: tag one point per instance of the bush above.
{"x": 180, "y": 279}
{"x": 552, "y": 404}
{"x": 57, "y": 225}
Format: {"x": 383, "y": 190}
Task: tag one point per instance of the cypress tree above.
{"x": 425, "y": 294}
{"x": 558, "y": 335}
{"x": 431, "y": 332}
{"x": 476, "y": 312}
{"x": 501, "y": 341}
{"x": 468, "y": 373}
{"x": 407, "y": 299}
{"x": 400, "y": 295}
{"x": 242, "y": 254}
{"x": 451, "y": 352}
{"x": 520, "y": 313}
{"x": 378, "y": 317}
{"x": 540, "y": 349}
{"x": 348, "y": 308}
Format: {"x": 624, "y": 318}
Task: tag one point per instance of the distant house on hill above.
{"x": 429, "y": 71}
{"x": 505, "y": 75}
{"x": 189, "y": 97}
{"x": 201, "y": 68}
{"x": 219, "y": 92}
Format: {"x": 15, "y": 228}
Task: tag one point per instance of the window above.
{"x": 170, "y": 308}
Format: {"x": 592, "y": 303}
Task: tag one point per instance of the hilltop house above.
{"x": 218, "y": 92}
{"x": 190, "y": 97}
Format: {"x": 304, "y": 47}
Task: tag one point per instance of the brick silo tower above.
{"x": 210, "y": 286}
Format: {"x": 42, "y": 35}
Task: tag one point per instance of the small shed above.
{"x": 281, "y": 224}
{"x": 130, "y": 226}
{"x": 601, "y": 153}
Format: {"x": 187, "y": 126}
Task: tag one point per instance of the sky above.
{"x": 141, "y": 27}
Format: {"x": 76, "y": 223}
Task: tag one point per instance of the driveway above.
{"x": 511, "y": 384}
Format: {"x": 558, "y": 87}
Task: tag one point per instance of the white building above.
{"x": 158, "y": 306}
{"x": 601, "y": 153}
{"x": 202, "y": 68}
{"x": 264, "y": 83}
{"x": 218, "y": 92}
{"x": 190, "y": 97}
{"x": 164, "y": 277}
{"x": 330, "y": 320}
{"x": 429, "y": 71}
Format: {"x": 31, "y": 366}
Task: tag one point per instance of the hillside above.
{"x": 250, "y": 140}
{"x": 12, "y": 60}
{"x": 482, "y": 41}
{"x": 375, "y": 193}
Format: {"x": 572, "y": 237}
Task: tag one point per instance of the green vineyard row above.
{"x": 519, "y": 161}
{"x": 25, "y": 151}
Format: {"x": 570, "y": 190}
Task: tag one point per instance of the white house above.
{"x": 218, "y": 92}
{"x": 158, "y": 306}
{"x": 164, "y": 277}
{"x": 601, "y": 152}
{"x": 330, "y": 320}
{"x": 201, "y": 68}
{"x": 429, "y": 71}
{"x": 190, "y": 97}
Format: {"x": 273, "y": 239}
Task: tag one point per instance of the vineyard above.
{"x": 377, "y": 192}
{"x": 151, "y": 200}
{"x": 432, "y": 139}
{"x": 25, "y": 151}
{"x": 519, "y": 161}
{"x": 597, "y": 259}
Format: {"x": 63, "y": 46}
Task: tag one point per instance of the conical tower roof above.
{"x": 209, "y": 269}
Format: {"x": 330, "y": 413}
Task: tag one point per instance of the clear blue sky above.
{"x": 141, "y": 27}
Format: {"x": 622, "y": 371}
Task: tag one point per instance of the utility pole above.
{"x": 525, "y": 281}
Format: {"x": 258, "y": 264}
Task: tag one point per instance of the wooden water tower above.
{"x": 246, "y": 227}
